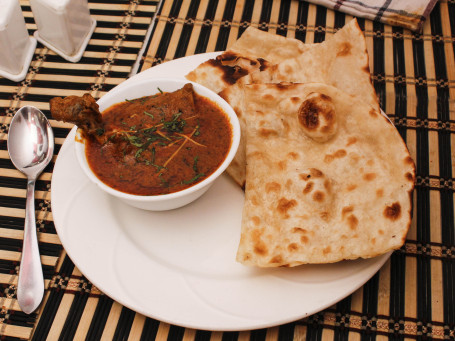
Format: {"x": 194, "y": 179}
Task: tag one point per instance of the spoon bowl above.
{"x": 30, "y": 147}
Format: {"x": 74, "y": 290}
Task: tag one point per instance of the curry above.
{"x": 157, "y": 144}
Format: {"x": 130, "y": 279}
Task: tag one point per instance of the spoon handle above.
{"x": 30, "y": 287}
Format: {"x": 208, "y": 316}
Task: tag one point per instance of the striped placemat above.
{"x": 411, "y": 297}
{"x": 109, "y": 58}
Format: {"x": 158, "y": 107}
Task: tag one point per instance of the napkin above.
{"x": 410, "y": 14}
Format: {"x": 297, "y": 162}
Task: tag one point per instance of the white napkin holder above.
{"x": 16, "y": 46}
{"x": 64, "y": 26}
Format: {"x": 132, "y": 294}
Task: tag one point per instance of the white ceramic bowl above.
{"x": 165, "y": 201}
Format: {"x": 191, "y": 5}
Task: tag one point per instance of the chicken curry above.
{"x": 156, "y": 144}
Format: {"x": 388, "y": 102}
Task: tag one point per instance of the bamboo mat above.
{"x": 108, "y": 60}
{"x": 411, "y": 297}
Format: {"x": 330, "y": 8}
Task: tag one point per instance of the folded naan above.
{"x": 328, "y": 178}
{"x": 253, "y": 51}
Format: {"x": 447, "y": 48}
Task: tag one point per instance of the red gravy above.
{"x": 160, "y": 144}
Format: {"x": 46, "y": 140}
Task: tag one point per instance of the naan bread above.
{"x": 261, "y": 57}
{"x": 328, "y": 178}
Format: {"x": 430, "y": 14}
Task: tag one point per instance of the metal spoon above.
{"x": 30, "y": 147}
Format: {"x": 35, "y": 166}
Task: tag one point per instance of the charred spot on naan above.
{"x": 278, "y": 259}
{"x": 348, "y": 216}
{"x": 263, "y": 64}
{"x": 288, "y": 184}
{"x": 317, "y": 188}
{"x": 369, "y": 176}
{"x": 268, "y": 97}
{"x": 256, "y": 220}
{"x": 302, "y": 233}
{"x": 317, "y": 117}
{"x": 318, "y": 196}
{"x": 345, "y": 210}
{"x": 282, "y": 165}
{"x": 233, "y": 59}
{"x": 293, "y": 247}
{"x": 308, "y": 187}
{"x": 268, "y": 132}
{"x": 373, "y": 113}
{"x": 254, "y": 200}
{"x": 312, "y": 172}
{"x": 284, "y": 205}
{"x": 326, "y": 250}
{"x": 231, "y": 74}
{"x": 227, "y": 57}
{"x": 257, "y": 154}
{"x": 338, "y": 154}
{"x": 393, "y": 212}
{"x": 327, "y": 185}
{"x": 351, "y": 141}
{"x": 324, "y": 215}
{"x": 409, "y": 176}
{"x": 409, "y": 160}
{"x": 352, "y": 221}
{"x": 293, "y": 155}
{"x": 260, "y": 246}
{"x": 299, "y": 230}
{"x": 344, "y": 49}
{"x": 351, "y": 187}
{"x": 284, "y": 86}
{"x": 272, "y": 187}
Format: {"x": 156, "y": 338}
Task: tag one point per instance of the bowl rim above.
{"x": 179, "y": 82}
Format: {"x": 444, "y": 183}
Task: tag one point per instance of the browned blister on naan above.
{"x": 328, "y": 178}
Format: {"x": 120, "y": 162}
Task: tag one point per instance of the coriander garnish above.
{"x": 195, "y": 178}
{"x": 195, "y": 161}
{"x": 149, "y": 114}
{"x": 175, "y": 125}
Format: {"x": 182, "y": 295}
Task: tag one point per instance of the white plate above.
{"x": 179, "y": 266}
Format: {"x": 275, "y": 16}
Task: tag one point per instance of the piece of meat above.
{"x": 81, "y": 111}
{"x": 84, "y": 111}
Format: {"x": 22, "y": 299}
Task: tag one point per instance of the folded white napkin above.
{"x": 410, "y": 14}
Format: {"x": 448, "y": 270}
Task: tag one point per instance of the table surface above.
{"x": 412, "y": 296}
